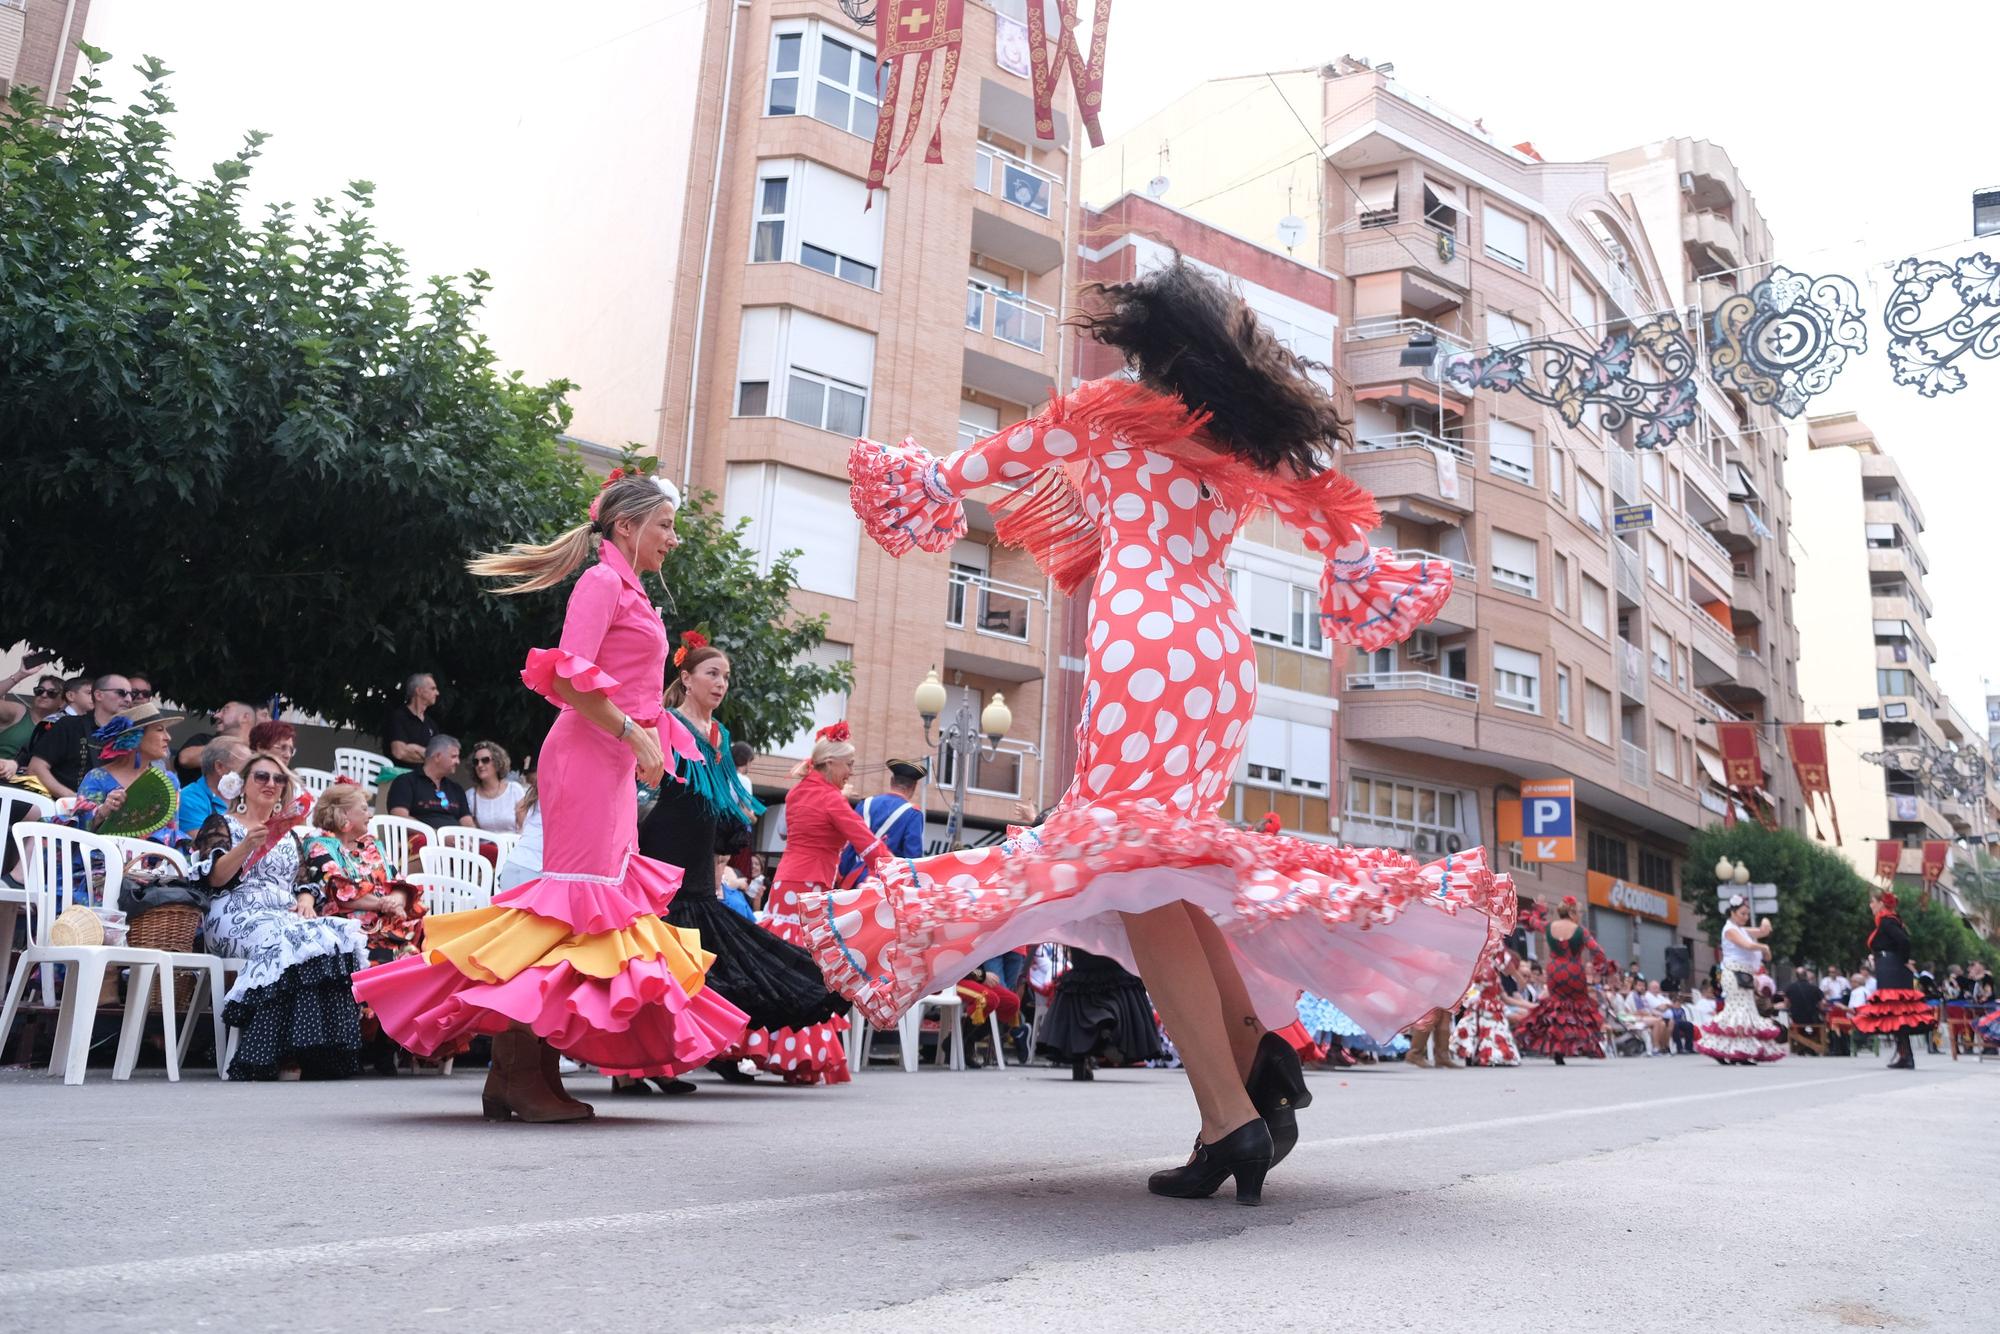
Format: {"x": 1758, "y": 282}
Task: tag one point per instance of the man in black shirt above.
{"x": 408, "y": 732}
{"x": 1803, "y": 998}
{"x": 428, "y": 794}
{"x": 60, "y": 754}
{"x": 233, "y": 719}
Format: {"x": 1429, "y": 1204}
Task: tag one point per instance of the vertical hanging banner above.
{"x": 1937, "y": 855}
{"x": 1806, "y": 744}
{"x": 1888, "y": 857}
{"x": 1047, "y": 66}
{"x": 919, "y": 28}
{"x": 1743, "y": 766}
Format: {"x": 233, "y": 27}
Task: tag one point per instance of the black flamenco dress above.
{"x": 1898, "y": 1006}
{"x": 1100, "y": 1012}
{"x": 795, "y": 1021}
{"x": 1567, "y": 1021}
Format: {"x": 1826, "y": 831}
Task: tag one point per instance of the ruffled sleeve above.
{"x": 901, "y": 497}
{"x": 592, "y": 604}
{"x": 1370, "y": 599}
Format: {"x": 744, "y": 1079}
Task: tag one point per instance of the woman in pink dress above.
{"x": 577, "y": 960}
{"x": 1137, "y": 487}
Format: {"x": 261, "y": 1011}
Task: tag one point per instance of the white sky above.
{"x": 1858, "y": 130}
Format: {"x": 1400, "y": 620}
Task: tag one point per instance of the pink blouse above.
{"x": 612, "y": 641}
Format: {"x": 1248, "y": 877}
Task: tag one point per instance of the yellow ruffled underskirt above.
{"x": 496, "y": 944}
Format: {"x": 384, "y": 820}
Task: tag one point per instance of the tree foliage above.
{"x": 254, "y": 456}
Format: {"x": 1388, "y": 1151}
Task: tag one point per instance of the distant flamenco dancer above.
{"x": 577, "y": 960}
{"x": 1898, "y": 1007}
{"x": 1136, "y": 488}
{"x": 1566, "y": 1022}
{"x": 1484, "y": 1033}
{"x": 1739, "y": 1035}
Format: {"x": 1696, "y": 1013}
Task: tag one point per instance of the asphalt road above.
{"x": 1630, "y": 1195}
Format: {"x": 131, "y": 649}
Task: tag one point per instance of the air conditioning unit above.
{"x": 1454, "y": 843}
{"x": 1423, "y": 841}
{"x": 1687, "y": 181}
{"x": 1423, "y": 646}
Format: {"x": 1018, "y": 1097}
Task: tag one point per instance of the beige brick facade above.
{"x": 38, "y": 45}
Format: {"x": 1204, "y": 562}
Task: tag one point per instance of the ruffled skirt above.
{"x": 1100, "y": 1010}
{"x": 1482, "y": 1035}
{"x": 1739, "y": 1035}
{"x": 1563, "y": 1023}
{"x": 795, "y": 1023}
{"x": 1385, "y": 939}
{"x": 1896, "y": 1011}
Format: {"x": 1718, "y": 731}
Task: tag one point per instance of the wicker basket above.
{"x": 171, "y": 926}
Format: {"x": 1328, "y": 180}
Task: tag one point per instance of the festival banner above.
{"x": 1806, "y": 744}
{"x": 1888, "y": 856}
{"x": 1743, "y": 768}
{"x": 1923, "y": 349}
{"x": 920, "y": 28}
{"x": 1937, "y": 855}
{"x": 1086, "y": 78}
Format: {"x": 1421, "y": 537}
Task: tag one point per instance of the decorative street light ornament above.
{"x": 1923, "y": 353}
{"x": 1782, "y": 342}
{"x": 1571, "y": 379}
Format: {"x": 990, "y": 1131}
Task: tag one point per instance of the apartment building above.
{"x": 38, "y": 45}
{"x": 1568, "y": 649}
{"x": 1870, "y": 661}
{"x": 1288, "y": 754}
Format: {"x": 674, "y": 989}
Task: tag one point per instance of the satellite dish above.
{"x": 1291, "y": 231}
{"x": 1157, "y": 186}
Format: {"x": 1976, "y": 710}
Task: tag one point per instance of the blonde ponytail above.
{"x": 538, "y": 565}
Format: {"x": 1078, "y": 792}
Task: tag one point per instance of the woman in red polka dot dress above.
{"x": 1138, "y": 487}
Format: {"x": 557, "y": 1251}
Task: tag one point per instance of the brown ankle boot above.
{"x": 551, "y": 1070}
{"x": 1441, "y": 1041}
{"x": 1420, "y": 1043}
{"x": 515, "y": 1086}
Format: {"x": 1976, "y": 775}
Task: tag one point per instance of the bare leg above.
{"x": 1238, "y": 1014}
{"x": 1176, "y": 972}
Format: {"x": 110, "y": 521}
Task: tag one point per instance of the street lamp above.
{"x": 1728, "y": 872}
{"x": 960, "y": 740}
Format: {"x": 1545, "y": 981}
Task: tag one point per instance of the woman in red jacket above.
{"x": 818, "y": 824}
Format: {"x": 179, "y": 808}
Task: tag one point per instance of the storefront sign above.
{"x": 1621, "y": 896}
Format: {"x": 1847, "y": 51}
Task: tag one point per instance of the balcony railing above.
{"x": 1708, "y": 539}
{"x": 1717, "y": 710}
{"x": 971, "y": 433}
{"x": 1013, "y": 318}
{"x": 1631, "y": 671}
{"x": 1428, "y": 682}
{"x": 995, "y": 171}
{"x": 1462, "y": 572}
{"x": 1414, "y": 440}
{"x": 990, "y": 775}
{"x": 1632, "y": 765}
{"x": 1630, "y": 580}
{"x": 1367, "y": 330}
{"x": 990, "y": 607}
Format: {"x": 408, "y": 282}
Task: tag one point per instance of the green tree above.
{"x": 253, "y": 458}
{"x": 1822, "y": 915}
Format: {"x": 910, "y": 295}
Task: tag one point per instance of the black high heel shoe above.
{"x": 1244, "y": 1153}
{"x": 1277, "y": 1089}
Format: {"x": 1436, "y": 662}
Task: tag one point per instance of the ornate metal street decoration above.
{"x": 1571, "y": 379}
{"x": 1782, "y": 342}
{"x": 1924, "y": 353}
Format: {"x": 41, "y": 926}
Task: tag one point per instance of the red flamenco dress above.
{"x": 1125, "y": 501}
{"x": 1897, "y": 1008}
{"x": 580, "y": 954}
{"x": 1567, "y": 1022}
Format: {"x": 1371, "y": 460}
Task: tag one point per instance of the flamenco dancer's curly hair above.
{"x": 1186, "y": 334}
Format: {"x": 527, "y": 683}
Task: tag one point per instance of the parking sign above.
{"x": 1543, "y": 821}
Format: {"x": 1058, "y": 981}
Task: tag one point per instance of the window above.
{"x": 1606, "y": 854}
{"x": 1281, "y": 612}
{"x": 1656, "y": 559}
{"x": 1653, "y": 472}
{"x": 1582, "y": 302}
{"x": 1681, "y": 666}
{"x": 828, "y": 709}
{"x": 1558, "y": 465}
{"x": 1562, "y": 695}
{"x": 1517, "y": 679}
{"x": 1514, "y": 562}
{"x": 1666, "y": 751}
{"x": 1510, "y": 450}
{"x": 1559, "y": 576}
{"x": 1442, "y": 205}
{"x": 813, "y": 215}
{"x": 1434, "y": 818}
{"x": 1281, "y": 753}
{"x": 1551, "y": 265}
{"x": 1503, "y": 330}
{"x": 1656, "y": 870}
{"x": 790, "y": 510}
{"x": 1590, "y": 503}
{"x": 793, "y": 364}
{"x": 1662, "y": 646}
{"x": 1506, "y": 238}
{"x": 1306, "y": 630}
{"x": 1593, "y": 606}
{"x": 1597, "y": 713}
{"x": 1378, "y": 200}
{"x": 1892, "y": 681}
{"x": 833, "y": 79}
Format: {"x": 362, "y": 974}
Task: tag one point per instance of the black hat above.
{"x": 910, "y": 770}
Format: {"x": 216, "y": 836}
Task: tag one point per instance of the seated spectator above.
{"x": 1701, "y": 1011}
{"x": 203, "y": 797}
{"x": 496, "y": 795}
{"x": 279, "y": 739}
{"x": 234, "y": 719}
{"x": 18, "y": 717}
{"x": 1804, "y": 1001}
{"x": 1860, "y": 990}
{"x": 126, "y": 747}
{"x": 142, "y": 687}
{"x": 61, "y": 754}
{"x": 344, "y": 870}
{"x": 1834, "y": 987}
{"x": 428, "y": 793}
{"x": 524, "y": 863}
{"x": 408, "y": 733}
{"x": 1681, "y": 1025}
{"x": 1978, "y": 986}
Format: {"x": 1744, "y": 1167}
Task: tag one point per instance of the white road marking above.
{"x": 171, "y": 1270}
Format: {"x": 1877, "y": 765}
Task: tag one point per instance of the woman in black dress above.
{"x": 699, "y": 821}
{"x": 1897, "y": 1008}
{"x": 1100, "y": 1014}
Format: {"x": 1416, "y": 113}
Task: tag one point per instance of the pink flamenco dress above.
{"x": 580, "y": 954}
{"x": 1122, "y": 493}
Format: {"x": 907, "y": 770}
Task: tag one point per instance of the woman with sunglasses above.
{"x": 19, "y": 717}
{"x": 294, "y": 1000}
{"x": 496, "y": 799}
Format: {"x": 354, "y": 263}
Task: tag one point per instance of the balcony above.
{"x": 1715, "y": 558}
{"x": 1403, "y": 472}
{"x": 1409, "y": 708}
{"x": 1714, "y": 649}
{"x": 1716, "y": 709}
{"x": 996, "y": 623}
{"x": 1624, "y": 465}
{"x": 1632, "y": 765}
{"x": 1631, "y": 671}
{"x": 1428, "y": 682}
{"x": 1023, "y": 224}
{"x": 1377, "y": 358}
{"x": 1715, "y": 234}
{"x": 998, "y": 775}
{"x": 1013, "y": 318}
{"x": 1007, "y": 344}
{"x": 1627, "y": 574}
{"x": 1413, "y": 248}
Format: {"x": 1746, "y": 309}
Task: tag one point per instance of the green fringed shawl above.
{"x": 716, "y": 780}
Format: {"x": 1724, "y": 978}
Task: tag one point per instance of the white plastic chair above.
{"x": 55, "y": 862}
{"x": 457, "y": 863}
{"x": 948, "y": 1006}
{"x": 958, "y": 1036}
{"x": 392, "y": 834}
{"x": 363, "y": 766}
{"x": 861, "y": 1038}
{"x": 315, "y": 781}
{"x": 211, "y": 971}
{"x": 450, "y": 893}
{"x": 18, "y": 807}
{"x": 472, "y": 839}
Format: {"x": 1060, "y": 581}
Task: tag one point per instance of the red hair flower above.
{"x": 1270, "y": 824}
{"x": 1569, "y": 900}
{"x": 834, "y": 732}
{"x": 690, "y": 641}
